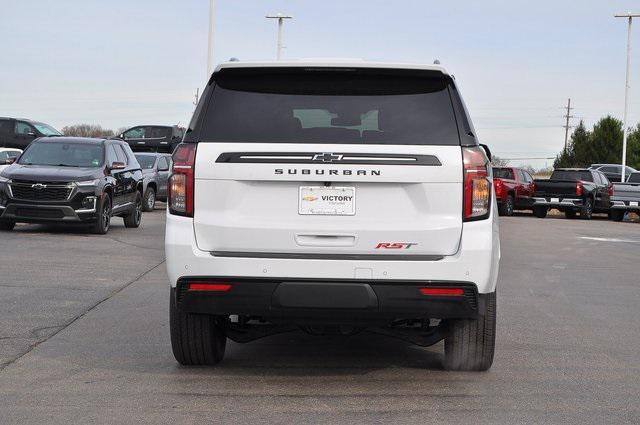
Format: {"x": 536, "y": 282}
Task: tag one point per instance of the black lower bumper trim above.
{"x": 37, "y": 213}
{"x": 328, "y": 301}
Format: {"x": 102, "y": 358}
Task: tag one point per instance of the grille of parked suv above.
{"x": 41, "y": 191}
{"x": 39, "y": 213}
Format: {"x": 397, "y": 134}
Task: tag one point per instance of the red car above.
{"x": 514, "y": 189}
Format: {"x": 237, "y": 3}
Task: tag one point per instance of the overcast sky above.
{"x": 119, "y": 62}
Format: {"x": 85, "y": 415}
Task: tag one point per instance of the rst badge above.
{"x": 395, "y": 245}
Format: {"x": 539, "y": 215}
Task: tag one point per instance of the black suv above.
{"x": 153, "y": 138}
{"x": 19, "y": 132}
{"x": 72, "y": 180}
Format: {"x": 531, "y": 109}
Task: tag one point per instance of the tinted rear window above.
{"x": 634, "y": 178}
{"x": 503, "y": 173}
{"x": 146, "y": 161}
{"x": 330, "y": 106}
{"x": 572, "y": 175}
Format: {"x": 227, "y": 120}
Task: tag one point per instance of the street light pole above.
{"x": 210, "y": 40}
{"x": 280, "y": 17}
{"x": 630, "y": 17}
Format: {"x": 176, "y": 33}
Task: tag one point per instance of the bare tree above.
{"x": 499, "y": 162}
{"x": 86, "y": 130}
{"x": 121, "y": 130}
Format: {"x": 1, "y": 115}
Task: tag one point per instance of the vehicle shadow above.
{"x": 298, "y": 354}
{"x": 555, "y": 214}
{"x": 68, "y": 229}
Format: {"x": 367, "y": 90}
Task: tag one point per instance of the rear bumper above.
{"x": 340, "y": 301}
{"x": 625, "y": 205}
{"x": 562, "y": 204}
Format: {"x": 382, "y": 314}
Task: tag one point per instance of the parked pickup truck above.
{"x": 573, "y": 190}
{"x": 626, "y": 197}
{"x": 514, "y": 189}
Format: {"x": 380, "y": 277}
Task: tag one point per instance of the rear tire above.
{"x": 135, "y": 217}
{"x": 540, "y": 212}
{"x": 149, "y": 200}
{"x": 616, "y": 215}
{"x": 470, "y": 345}
{"x": 506, "y": 208}
{"x": 196, "y": 339}
{"x": 7, "y": 225}
{"x": 587, "y": 209}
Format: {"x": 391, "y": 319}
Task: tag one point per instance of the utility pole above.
{"x": 567, "y": 126}
{"x": 195, "y": 102}
{"x": 630, "y": 17}
{"x": 280, "y": 17}
{"x": 210, "y": 39}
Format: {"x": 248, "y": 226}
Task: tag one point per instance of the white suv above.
{"x": 332, "y": 198}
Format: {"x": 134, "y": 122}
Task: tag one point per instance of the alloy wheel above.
{"x": 106, "y": 214}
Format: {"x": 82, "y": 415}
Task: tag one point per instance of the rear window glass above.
{"x": 330, "y": 106}
{"x": 146, "y": 161}
{"x": 573, "y": 175}
{"x": 503, "y": 173}
{"x": 634, "y": 178}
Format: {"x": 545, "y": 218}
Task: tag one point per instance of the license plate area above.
{"x": 555, "y": 200}
{"x": 327, "y": 200}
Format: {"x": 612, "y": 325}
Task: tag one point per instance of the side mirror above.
{"x": 121, "y": 136}
{"x": 487, "y": 151}
{"x": 10, "y": 160}
{"x": 117, "y": 166}
{"x": 31, "y": 134}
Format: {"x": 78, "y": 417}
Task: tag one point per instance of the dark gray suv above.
{"x": 155, "y": 169}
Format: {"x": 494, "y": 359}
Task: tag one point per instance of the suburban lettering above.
{"x": 322, "y": 172}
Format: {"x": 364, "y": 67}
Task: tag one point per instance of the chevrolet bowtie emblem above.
{"x": 327, "y": 157}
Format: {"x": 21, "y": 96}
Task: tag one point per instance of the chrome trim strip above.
{"x": 337, "y": 158}
{"x": 92, "y": 210}
{"x": 305, "y": 256}
{"x": 117, "y": 207}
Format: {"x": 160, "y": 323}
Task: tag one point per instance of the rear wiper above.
{"x": 64, "y": 165}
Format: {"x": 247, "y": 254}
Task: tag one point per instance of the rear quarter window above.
{"x": 503, "y": 173}
{"x": 634, "y": 178}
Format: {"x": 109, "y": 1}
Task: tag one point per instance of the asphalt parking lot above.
{"x": 84, "y": 339}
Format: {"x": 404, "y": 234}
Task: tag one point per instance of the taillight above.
{"x": 610, "y": 189}
{"x": 533, "y": 187}
{"x": 181, "y": 182}
{"x": 579, "y": 189}
{"x": 477, "y": 189}
{"x": 499, "y": 186}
